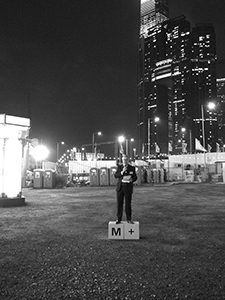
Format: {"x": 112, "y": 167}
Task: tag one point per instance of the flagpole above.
{"x": 149, "y": 138}
{"x": 168, "y": 167}
{"x": 190, "y": 141}
{"x": 205, "y": 161}
{"x": 216, "y": 156}
{"x": 195, "y": 158}
{"x": 182, "y": 166}
{"x": 168, "y": 163}
{"x": 203, "y": 126}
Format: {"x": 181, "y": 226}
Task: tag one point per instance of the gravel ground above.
{"x": 56, "y": 247}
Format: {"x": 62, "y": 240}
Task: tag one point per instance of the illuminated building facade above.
{"x": 178, "y": 44}
{"x": 177, "y": 76}
{"x": 221, "y": 109}
{"x": 153, "y": 12}
{"x": 203, "y": 88}
{"x": 151, "y": 51}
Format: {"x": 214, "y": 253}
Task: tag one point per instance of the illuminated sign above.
{"x": 17, "y": 121}
{"x": 20, "y": 121}
{"x": 163, "y": 62}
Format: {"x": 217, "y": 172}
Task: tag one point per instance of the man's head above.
{"x": 125, "y": 159}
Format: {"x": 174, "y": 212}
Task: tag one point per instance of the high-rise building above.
{"x": 203, "y": 87}
{"x": 153, "y": 13}
{"x": 177, "y": 77}
{"x": 178, "y": 41}
{"x": 221, "y": 109}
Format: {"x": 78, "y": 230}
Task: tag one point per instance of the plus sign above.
{"x": 131, "y": 231}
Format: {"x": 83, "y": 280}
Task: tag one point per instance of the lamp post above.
{"x": 128, "y": 145}
{"x": 156, "y": 119}
{"x": 210, "y": 106}
{"x": 131, "y": 141}
{"x": 93, "y": 144}
{"x": 121, "y": 139}
{"x": 40, "y": 153}
{"x": 57, "y": 149}
{"x": 190, "y": 137}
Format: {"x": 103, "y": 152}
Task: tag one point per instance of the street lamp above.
{"x": 57, "y": 149}
{"x": 40, "y": 153}
{"x": 121, "y": 139}
{"x": 156, "y": 120}
{"x": 128, "y": 145}
{"x": 183, "y": 130}
{"x": 211, "y": 105}
{"x": 131, "y": 141}
{"x": 93, "y": 143}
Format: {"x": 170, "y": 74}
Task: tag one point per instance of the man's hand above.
{"x": 124, "y": 169}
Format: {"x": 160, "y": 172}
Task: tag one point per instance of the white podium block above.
{"x": 131, "y": 231}
{"x": 115, "y": 231}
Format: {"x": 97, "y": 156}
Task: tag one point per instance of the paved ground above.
{"x": 56, "y": 247}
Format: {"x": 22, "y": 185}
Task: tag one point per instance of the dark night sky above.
{"x": 73, "y": 63}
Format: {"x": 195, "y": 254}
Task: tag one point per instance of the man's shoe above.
{"x": 118, "y": 222}
{"x": 130, "y": 222}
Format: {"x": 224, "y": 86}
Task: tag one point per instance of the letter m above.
{"x": 116, "y": 231}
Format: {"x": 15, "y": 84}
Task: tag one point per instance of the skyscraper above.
{"x": 178, "y": 50}
{"x": 221, "y": 109}
{"x": 177, "y": 77}
{"x": 153, "y": 13}
{"x": 203, "y": 77}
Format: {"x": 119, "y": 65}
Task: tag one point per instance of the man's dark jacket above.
{"x": 130, "y": 171}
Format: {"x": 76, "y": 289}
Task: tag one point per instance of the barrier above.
{"x": 188, "y": 175}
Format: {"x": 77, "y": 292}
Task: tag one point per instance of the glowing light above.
{"x": 163, "y": 62}
{"x": 40, "y": 152}
{"x": 121, "y": 139}
{"x": 211, "y": 105}
{"x": 10, "y": 160}
{"x": 11, "y": 130}
{"x": 17, "y": 120}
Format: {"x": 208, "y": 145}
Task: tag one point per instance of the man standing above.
{"x": 125, "y": 175}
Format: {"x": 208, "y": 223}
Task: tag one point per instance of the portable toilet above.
{"x": 112, "y": 179}
{"x": 49, "y": 179}
{"x": 38, "y": 178}
{"x": 149, "y": 176}
{"x": 156, "y": 175}
{"x": 94, "y": 177}
{"x": 139, "y": 175}
{"x": 161, "y": 176}
{"x": 104, "y": 176}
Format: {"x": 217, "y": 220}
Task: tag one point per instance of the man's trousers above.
{"x": 124, "y": 193}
